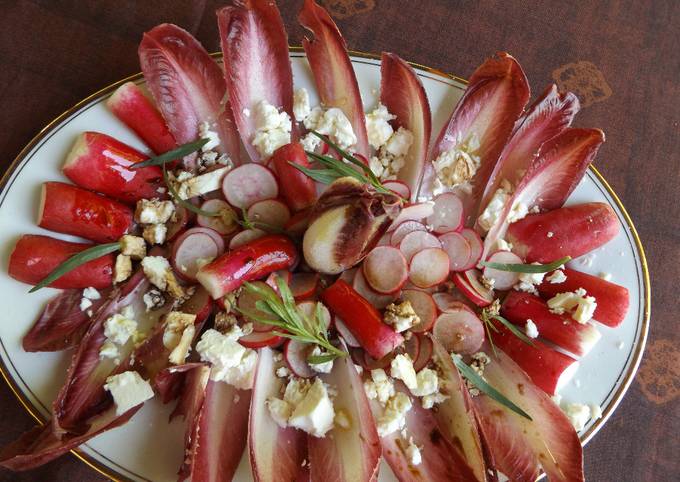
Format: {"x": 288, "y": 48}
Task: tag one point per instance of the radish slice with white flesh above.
{"x": 424, "y": 306}
{"x": 303, "y": 285}
{"x": 412, "y": 347}
{"x": 417, "y": 241}
{"x": 476, "y": 247}
{"x": 468, "y": 283}
{"x": 384, "y": 240}
{"x": 459, "y": 331}
{"x": 271, "y": 212}
{"x": 248, "y": 184}
{"x": 193, "y": 249}
{"x": 225, "y": 223}
{"x": 385, "y": 269}
{"x": 403, "y": 229}
{"x": 448, "y": 214}
{"x": 308, "y": 309}
{"x": 380, "y": 301}
{"x": 503, "y": 280}
{"x": 346, "y": 334}
{"x": 371, "y": 363}
{"x": 182, "y": 217}
{"x": 429, "y": 267}
{"x": 246, "y": 302}
{"x": 450, "y": 301}
{"x": 413, "y": 212}
{"x": 459, "y": 250}
{"x": 424, "y": 352}
{"x": 261, "y": 339}
{"x": 245, "y": 237}
{"x": 399, "y": 188}
{"x": 295, "y": 354}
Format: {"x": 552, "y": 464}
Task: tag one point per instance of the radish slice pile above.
{"x": 429, "y": 267}
{"x": 448, "y": 214}
{"x": 459, "y": 330}
{"x": 195, "y": 246}
{"x": 248, "y": 184}
{"x": 271, "y": 212}
{"x": 503, "y": 280}
{"x": 399, "y": 188}
{"x": 295, "y": 353}
{"x": 413, "y": 212}
{"x": 417, "y": 241}
{"x": 424, "y": 353}
{"x": 468, "y": 283}
{"x": 225, "y": 223}
{"x": 378, "y": 300}
{"x": 385, "y": 269}
{"x": 303, "y": 285}
{"x": 459, "y": 250}
{"x": 403, "y": 229}
{"x": 245, "y": 237}
{"x": 476, "y": 247}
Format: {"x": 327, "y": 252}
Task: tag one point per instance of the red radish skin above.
{"x": 248, "y": 184}
{"x": 245, "y": 237}
{"x": 251, "y": 261}
{"x": 399, "y": 188}
{"x": 136, "y": 111}
{"x": 304, "y": 285}
{"x": 295, "y": 353}
{"x": 259, "y": 339}
{"x": 298, "y": 190}
{"x": 612, "y": 299}
{"x": 460, "y": 331}
{"x": 424, "y": 306}
{"x": 576, "y": 230}
{"x": 362, "y": 287}
{"x": 403, "y": 229}
{"x": 270, "y": 212}
{"x": 429, "y": 267}
{"x": 101, "y": 163}
{"x": 412, "y": 212}
{"x": 416, "y": 242}
{"x": 346, "y": 335}
{"x": 476, "y": 247}
{"x": 458, "y": 249}
{"x": 503, "y": 280}
{"x": 561, "y": 330}
{"x": 35, "y": 256}
{"x": 385, "y": 269}
{"x": 424, "y": 352}
{"x": 362, "y": 319}
{"x": 191, "y": 247}
{"x": 448, "y": 214}
{"x": 225, "y": 223}
{"x": 72, "y": 210}
{"x": 468, "y": 284}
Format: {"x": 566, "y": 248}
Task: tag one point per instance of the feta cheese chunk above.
{"x": 156, "y": 269}
{"x": 495, "y": 207}
{"x": 459, "y": 164}
{"x": 153, "y": 211}
{"x": 301, "y": 106}
{"x": 557, "y": 277}
{"x": 584, "y": 305}
{"x": 380, "y": 387}
{"x": 192, "y": 186}
{"x": 324, "y": 367}
{"x": 231, "y": 362}
{"x": 120, "y": 327}
{"x": 401, "y": 316}
{"x": 393, "y": 417}
{"x": 205, "y": 132}
{"x": 175, "y": 323}
{"x": 85, "y": 304}
{"x": 391, "y": 157}
{"x": 577, "y": 413}
{"x": 531, "y": 329}
{"x": 501, "y": 245}
{"x": 272, "y": 128}
{"x": 413, "y": 454}
{"x": 310, "y": 142}
{"x": 427, "y": 383}
{"x": 314, "y": 413}
{"x": 429, "y": 401}
{"x": 128, "y": 389}
{"x": 334, "y": 124}
{"x": 528, "y": 281}
{"x": 122, "y": 269}
{"x": 280, "y": 411}
{"x": 378, "y": 126}
{"x": 155, "y": 233}
{"x": 183, "y": 347}
{"x": 401, "y": 368}
{"x": 91, "y": 294}
{"x": 132, "y": 246}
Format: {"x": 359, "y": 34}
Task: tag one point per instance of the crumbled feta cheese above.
{"x": 205, "y": 132}
{"x": 122, "y": 269}
{"x": 459, "y": 164}
{"x": 313, "y": 118}
{"x": 495, "y": 207}
{"x": 272, "y": 128}
{"x": 402, "y": 369}
{"x": 128, "y": 389}
{"x": 119, "y": 327}
{"x": 429, "y": 401}
{"x": 550, "y": 234}
{"x": 153, "y": 299}
{"x": 282, "y": 372}
{"x": 301, "y": 107}
{"x": 175, "y": 323}
{"x": 427, "y": 383}
{"x": 518, "y": 211}
{"x": 181, "y": 351}
{"x": 401, "y": 316}
{"x": 156, "y": 269}
{"x": 595, "y": 411}
{"x": 413, "y": 454}
{"x": 378, "y": 126}
{"x": 91, "y": 294}
{"x": 342, "y": 419}
{"x": 109, "y": 350}
{"x": 153, "y": 211}
{"x": 155, "y": 233}
{"x": 310, "y": 142}
{"x": 393, "y": 417}
{"x": 399, "y": 143}
{"x": 605, "y": 276}
{"x": 85, "y": 304}
{"x": 280, "y": 411}
{"x": 577, "y": 413}
{"x": 528, "y": 281}
{"x": 231, "y": 362}
{"x": 313, "y": 410}
{"x": 585, "y": 305}
{"x": 334, "y": 124}
{"x": 132, "y": 246}
{"x": 531, "y": 329}
{"x": 324, "y": 367}
{"x": 391, "y": 157}
{"x": 557, "y": 277}
{"x": 193, "y": 186}
{"x": 380, "y": 387}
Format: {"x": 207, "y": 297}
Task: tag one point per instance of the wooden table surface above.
{"x": 621, "y": 58}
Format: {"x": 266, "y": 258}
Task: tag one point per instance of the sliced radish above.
{"x": 412, "y": 347}
{"x": 459, "y": 331}
{"x": 287, "y": 276}
{"x": 225, "y": 223}
{"x": 346, "y": 334}
{"x": 424, "y": 306}
{"x": 417, "y": 241}
{"x": 295, "y": 354}
{"x": 403, "y": 229}
{"x": 413, "y": 212}
{"x": 193, "y": 249}
{"x": 247, "y": 303}
{"x": 372, "y": 364}
{"x": 271, "y": 212}
{"x": 468, "y": 283}
{"x": 448, "y": 213}
{"x": 424, "y": 352}
{"x": 503, "y": 280}
{"x": 449, "y": 301}
{"x": 245, "y": 237}
{"x": 248, "y": 184}
{"x": 308, "y": 309}
{"x": 459, "y": 250}
{"x": 178, "y": 223}
{"x": 399, "y": 188}
{"x": 476, "y": 247}
{"x": 261, "y": 339}
{"x": 429, "y": 267}
{"x": 303, "y": 285}
{"x": 384, "y": 240}
{"x": 385, "y": 269}
{"x": 362, "y": 287}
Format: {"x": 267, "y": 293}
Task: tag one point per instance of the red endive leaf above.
{"x": 187, "y": 85}
{"x": 256, "y": 63}
{"x": 404, "y": 96}
{"x": 487, "y": 112}
{"x": 520, "y": 447}
{"x": 550, "y": 114}
{"x": 552, "y": 176}
{"x": 352, "y": 454}
{"x": 62, "y": 323}
{"x": 333, "y": 73}
{"x": 171, "y": 383}
{"x": 275, "y": 453}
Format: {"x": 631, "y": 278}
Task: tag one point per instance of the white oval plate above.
{"x": 148, "y": 448}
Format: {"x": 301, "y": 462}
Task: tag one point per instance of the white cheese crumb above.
{"x": 153, "y": 299}
{"x": 584, "y": 305}
{"x": 394, "y": 416}
{"x": 155, "y": 233}
{"x": 401, "y": 316}
{"x": 272, "y": 128}
{"x": 153, "y": 211}
{"x": 132, "y": 246}
{"x": 380, "y": 387}
{"x": 402, "y": 369}
{"x": 156, "y": 268}
{"x": 577, "y": 413}
{"x": 427, "y": 383}
{"x": 122, "y": 269}
{"x": 378, "y": 126}
{"x": 557, "y": 277}
{"x": 91, "y": 294}
{"x": 301, "y": 107}
{"x": 232, "y": 363}
{"x": 324, "y": 367}
{"x": 530, "y": 329}
{"x": 205, "y": 132}
{"x": 413, "y": 454}
{"x": 128, "y": 389}
{"x": 334, "y": 124}
{"x": 495, "y": 207}
{"x": 305, "y": 406}
{"x": 120, "y": 327}
{"x": 550, "y": 234}
{"x": 282, "y": 372}
{"x": 459, "y": 164}
{"x": 85, "y": 304}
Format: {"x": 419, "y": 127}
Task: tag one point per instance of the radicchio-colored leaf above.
{"x": 404, "y": 96}
{"x": 256, "y": 63}
{"x": 334, "y": 75}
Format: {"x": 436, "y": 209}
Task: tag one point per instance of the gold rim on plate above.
{"x": 585, "y": 438}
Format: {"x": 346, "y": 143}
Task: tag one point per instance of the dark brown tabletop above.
{"x": 621, "y": 58}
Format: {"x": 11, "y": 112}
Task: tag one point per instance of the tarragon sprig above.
{"x": 284, "y": 314}
{"x": 248, "y": 223}
{"x": 490, "y": 314}
{"x": 177, "y": 153}
{"x": 526, "y": 268}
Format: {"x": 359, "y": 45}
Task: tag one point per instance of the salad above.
{"x": 322, "y": 285}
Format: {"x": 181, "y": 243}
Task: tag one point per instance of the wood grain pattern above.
{"x": 55, "y": 52}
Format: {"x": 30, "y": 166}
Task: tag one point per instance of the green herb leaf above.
{"x": 487, "y": 389}
{"x": 527, "y": 268}
{"x": 249, "y": 224}
{"x": 177, "y": 153}
{"x": 186, "y": 204}
{"x": 318, "y": 359}
{"x": 76, "y": 260}
{"x": 513, "y": 329}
